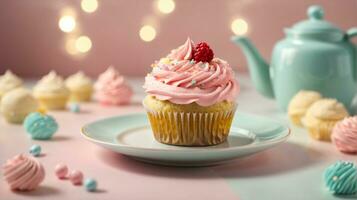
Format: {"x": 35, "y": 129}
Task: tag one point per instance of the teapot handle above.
{"x": 352, "y": 32}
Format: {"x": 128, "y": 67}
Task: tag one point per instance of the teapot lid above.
{"x": 316, "y": 26}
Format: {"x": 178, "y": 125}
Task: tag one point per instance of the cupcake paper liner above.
{"x": 58, "y": 103}
{"x": 80, "y": 96}
{"x": 190, "y": 128}
{"x": 320, "y": 129}
{"x": 296, "y": 119}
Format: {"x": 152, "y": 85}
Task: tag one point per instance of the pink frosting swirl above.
{"x": 112, "y": 89}
{"x": 23, "y": 173}
{"x": 344, "y": 135}
{"x": 183, "y": 52}
{"x": 183, "y": 81}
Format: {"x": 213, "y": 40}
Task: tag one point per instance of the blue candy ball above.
{"x": 90, "y": 184}
{"x": 74, "y": 107}
{"x": 40, "y": 126}
{"x": 35, "y": 150}
{"x": 341, "y": 178}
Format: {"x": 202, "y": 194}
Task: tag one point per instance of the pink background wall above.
{"x": 31, "y": 43}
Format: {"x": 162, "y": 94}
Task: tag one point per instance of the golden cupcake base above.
{"x": 82, "y": 96}
{"x": 191, "y": 129}
{"x": 189, "y": 125}
{"x": 321, "y": 130}
{"x": 56, "y": 103}
{"x": 296, "y": 119}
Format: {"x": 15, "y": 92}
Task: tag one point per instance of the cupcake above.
{"x": 80, "y": 87}
{"x": 322, "y": 116}
{"x": 344, "y": 135}
{"x": 17, "y": 104}
{"x": 191, "y": 97}
{"x": 300, "y": 103}
{"x": 112, "y": 89}
{"x": 51, "y": 92}
{"x": 9, "y": 81}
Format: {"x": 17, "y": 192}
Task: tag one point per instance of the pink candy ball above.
{"x": 76, "y": 177}
{"x": 61, "y": 171}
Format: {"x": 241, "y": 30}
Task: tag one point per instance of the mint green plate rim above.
{"x": 279, "y": 135}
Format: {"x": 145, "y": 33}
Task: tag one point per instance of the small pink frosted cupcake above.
{"x": 112, "y": 89}
{"x": 344, "y": 135}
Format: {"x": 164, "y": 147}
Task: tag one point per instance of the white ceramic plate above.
{"x": 131, "y": 135}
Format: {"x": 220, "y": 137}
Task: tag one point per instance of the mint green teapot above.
{"x": 314, "y": 55}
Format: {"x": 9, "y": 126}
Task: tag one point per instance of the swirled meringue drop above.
{"x": 341, "y": 178}
{"x": 23, "y": 173}
{"x": 344, "y": 135}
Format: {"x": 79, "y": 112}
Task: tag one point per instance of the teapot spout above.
{"x": 258, "y": 68}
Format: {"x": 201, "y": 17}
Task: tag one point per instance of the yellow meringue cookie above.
{"x": 322, "y": 116}
{"x": 300, "y": 103}
{"x": 17, "y": 104}
{"x": 80, "y": 86}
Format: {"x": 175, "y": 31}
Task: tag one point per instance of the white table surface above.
{"x": 291, "y": 171}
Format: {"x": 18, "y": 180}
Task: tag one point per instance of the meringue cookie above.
{"x": 9, "y": 81}
{"x": 344, "y": 135}
{"x": 341, "y": 178}
{"x": 17, "y": 104}
{"x": 23, "y": 173}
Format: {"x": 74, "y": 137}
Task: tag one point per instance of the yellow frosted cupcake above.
{"x": 51, "y": 92}
{"x": 322, "y": 116}
{"x": 17, "y": 104}
{"x": 300, "y": 103}
{"x": 191, "y": 97}
{"x": 8, "y": 82}
{"x": 80, "y": 86}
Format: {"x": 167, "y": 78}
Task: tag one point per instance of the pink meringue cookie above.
{"x": 112, "y": 89}
{"x": 344, "y": 135}
{"x": 181, "y": 80}
{"x": 23, "y": 173}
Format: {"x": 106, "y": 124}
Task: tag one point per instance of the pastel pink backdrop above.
{"x": 31, "y": 43}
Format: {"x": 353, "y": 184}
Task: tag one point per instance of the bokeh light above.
{"x": 89, "y": 6}
{"x": 83, "y": 44}
{"x": 166, "y": 6}
{"x": 67, "y": 23}
{"x": 147, "y": 33}
{"x": 239, "y": 26}
{"x": 70, "y": 46}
